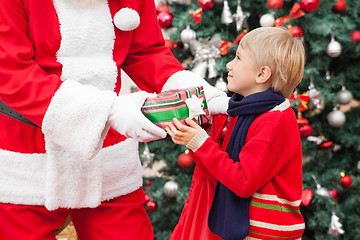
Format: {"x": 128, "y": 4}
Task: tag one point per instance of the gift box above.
{"x": 177, "y": 103}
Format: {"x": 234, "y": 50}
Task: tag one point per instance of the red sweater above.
{"x": 269, "y": 171}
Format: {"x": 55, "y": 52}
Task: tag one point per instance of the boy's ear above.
{"x": 264, "y": 74}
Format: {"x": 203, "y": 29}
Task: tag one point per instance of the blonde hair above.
{"x": 276, "y": 48}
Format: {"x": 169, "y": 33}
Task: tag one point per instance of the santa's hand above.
{"x": 127, "y": 118}
{"x": 218, "y": 105}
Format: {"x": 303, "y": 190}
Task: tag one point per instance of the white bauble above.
{"x": 267, "y": 20}
{"x": 334, "y": 48}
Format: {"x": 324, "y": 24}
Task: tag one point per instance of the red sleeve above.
{"x": 24, "y": 86}
{"x": 149, "y": 63}
{"x": 218, "y": 124}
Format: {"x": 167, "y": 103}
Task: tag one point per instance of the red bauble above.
{"x": 169, "y": 44}
{"x": 302, "y": 121}
{"x": 147, "y": 198}
{"x": 339, "y": 7}
{"x": 277, "y": 4}
{"x": 185, "y": 160}
{"x": 206, "y": 4}
{"x": 355, "y": 35}
{"x": 165, "y": 19}
{"x": 148, "y": 183}
{"x": 334, "y": 194}
{"x": 162, "y": 7}
{"x": 306, "y": 197}
{"x": 346, "y": 181}
{"x": 151, "y": 206}
{"x": 309, "y": 5}
{"x": 296, "y": 31}
{"x": 306, "y": 130}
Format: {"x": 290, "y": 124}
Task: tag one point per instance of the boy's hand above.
{"x": 182, "y": 134}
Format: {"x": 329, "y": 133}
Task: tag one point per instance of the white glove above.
{"x": 127, "y": 118}
{"x": 218, "y": 105}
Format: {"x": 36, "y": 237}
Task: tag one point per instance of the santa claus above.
{"x": 75, "y": 149}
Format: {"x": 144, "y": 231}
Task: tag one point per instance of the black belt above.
{"x": 15, "y": 115}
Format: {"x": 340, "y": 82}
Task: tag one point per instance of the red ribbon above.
{"x": 197, "y": 15}
{"x": 224, "y": 49}
{"x": 303, "y": 99}
{"x": 295, "y": 12}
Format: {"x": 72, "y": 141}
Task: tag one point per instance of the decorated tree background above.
{"x": 203, "y": 35}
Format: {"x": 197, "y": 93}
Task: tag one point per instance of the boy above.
{"x": 259, "y": 167}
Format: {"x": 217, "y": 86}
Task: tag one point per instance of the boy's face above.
{"x": 242, "y": 73}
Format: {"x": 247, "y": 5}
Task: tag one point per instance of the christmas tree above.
{"x": 203, "y": 36}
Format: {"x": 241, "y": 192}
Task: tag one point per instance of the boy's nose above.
{"x": 228, "y": 66}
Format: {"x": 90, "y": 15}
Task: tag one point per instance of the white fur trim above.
{"x": 282, "y": 106}
{"x": 76, "y": 118}
{"x": 74, "y": 127}
{"x": 117, "y": 172}
{"x": 186, "y": 79}
{"x": 87, "y": 43}
{"x": 127, "y": 19}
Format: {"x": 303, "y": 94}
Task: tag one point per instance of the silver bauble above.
{"x": 171, "y": 189}
{"x": 267, "y": 20}
{"x": 336, "y": 118}
{"x": 344, "y": 96}
{"x": 187, "y": 35}
{"x": 358, "y": 166}
{"x": 334, "y": 48}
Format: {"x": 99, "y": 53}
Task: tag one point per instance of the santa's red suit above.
{"x": 59, "y": 67}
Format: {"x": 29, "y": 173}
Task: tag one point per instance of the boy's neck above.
{"x": 260, "y": 88}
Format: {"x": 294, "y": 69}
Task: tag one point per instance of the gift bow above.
{"x": 197, "y": 14}
{"x": 295, "y": 12}
{"x": 303, "y": 100}
{"x": 195, "y": 106}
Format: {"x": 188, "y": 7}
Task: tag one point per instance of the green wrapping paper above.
{"x": 177, "y": 103}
